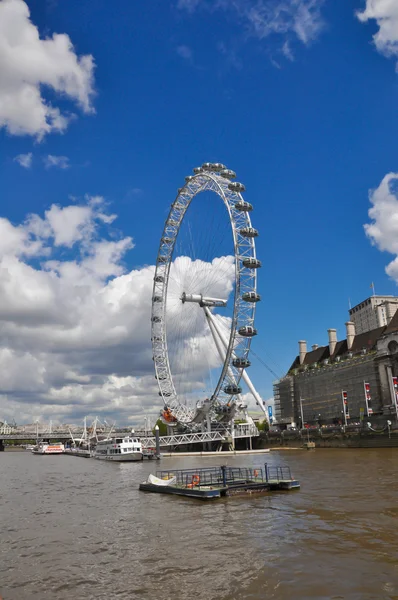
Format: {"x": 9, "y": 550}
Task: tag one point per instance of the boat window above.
{"x": 119, "y": 441}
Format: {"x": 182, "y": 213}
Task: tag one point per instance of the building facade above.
{"x": 374, "y": 312}
{"x": 344, "y": 381}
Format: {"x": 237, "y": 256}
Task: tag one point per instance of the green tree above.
{"x": 263, "y": 426}
{"x": 162, "y": 427}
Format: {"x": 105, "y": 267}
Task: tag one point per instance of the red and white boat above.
{"x": 46, "y": 448}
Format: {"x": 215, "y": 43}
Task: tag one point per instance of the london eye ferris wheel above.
{"x": 204, "y": 301}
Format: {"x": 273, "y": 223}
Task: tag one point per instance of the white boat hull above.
{"x": 58, "y": 449}
{"x": 128, "y": 457}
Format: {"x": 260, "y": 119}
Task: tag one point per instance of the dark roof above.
{"x": 366, "y": 340}
{"x": 341, "y": 348}
{"x": 393, "y": 324}
{"x": 312, "y": 357}
{"x": 316, "y": 355}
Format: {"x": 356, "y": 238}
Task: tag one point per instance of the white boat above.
{"x": 46, "y": 448}
{"x": 120, "y": 449}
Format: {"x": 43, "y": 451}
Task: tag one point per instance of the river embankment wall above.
{"x": 360, "y": 439}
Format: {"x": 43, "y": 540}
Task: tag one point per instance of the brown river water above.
{"x": 79, "y": 528}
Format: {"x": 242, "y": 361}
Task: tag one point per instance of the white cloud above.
{"x": 29, "y": 64}
{"x": 300, "y": 19}
{"x": 25, "y": 160}
{"x": 185, "y": 52}
{"x": 385, "y": 13}
{"x": 383, "y": 230}
{"x": 248, "y": 398}
{"x": 61, "y": 162}
{"x": 189, "y": 5}
{"x": 287, "y": 51}
{"x": 75, "y": 323}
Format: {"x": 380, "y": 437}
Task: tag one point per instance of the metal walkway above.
{"x": 240, "y": 431}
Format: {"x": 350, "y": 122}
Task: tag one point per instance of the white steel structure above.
{"x": 232, "y": 343}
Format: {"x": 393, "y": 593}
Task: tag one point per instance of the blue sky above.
{"x": 298, "y": 97}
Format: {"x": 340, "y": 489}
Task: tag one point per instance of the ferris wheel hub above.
{"x": 203, "y": 300}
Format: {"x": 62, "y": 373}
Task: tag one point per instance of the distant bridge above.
{"x": 242, "y": 430}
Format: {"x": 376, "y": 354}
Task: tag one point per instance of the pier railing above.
{"x": 225, "y": 476}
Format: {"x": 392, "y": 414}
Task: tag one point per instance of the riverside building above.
{"x": 374, "y": 312}
{"x": 344, "y": 381}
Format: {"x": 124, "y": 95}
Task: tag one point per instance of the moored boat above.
{"x": 119, "y": 449}
{"x": 47, "y": 448}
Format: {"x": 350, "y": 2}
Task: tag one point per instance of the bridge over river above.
{"x": 241, "y": 430}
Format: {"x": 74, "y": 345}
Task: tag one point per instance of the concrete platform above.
{"x": 219, "y": 454}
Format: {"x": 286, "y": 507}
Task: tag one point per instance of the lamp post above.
{"x": 301, "y": 413}
{"x": 344, "y": 411}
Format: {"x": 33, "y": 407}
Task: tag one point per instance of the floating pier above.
{"x": 210, "y": 483}
{"x": 81, "y": 452}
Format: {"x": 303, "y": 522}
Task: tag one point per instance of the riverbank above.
{"x": 322, "y": 439}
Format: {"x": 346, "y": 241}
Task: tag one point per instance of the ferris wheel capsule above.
{"x": 244, "y": 206}
{"x": 241, "y": 363}
{"x": 251, "y": 297}
{"x": 249, "y": 232}
{"x": 237, "y": 187}
{"x": 228, "y": 174}
{"x": 251, "y": 263}
{"x": 233, "y": 390}
{"x": 198, "y": 170}
{"x": 247, "y": 331}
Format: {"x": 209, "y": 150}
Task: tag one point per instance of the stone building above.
{"x": 374, "y": 312}
{"x": 344, "y": 381}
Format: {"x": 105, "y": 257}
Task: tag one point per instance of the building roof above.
{"x": 367, "y": 340}
{"x": 393, "y": 325}
{"x": 368, "y": 300}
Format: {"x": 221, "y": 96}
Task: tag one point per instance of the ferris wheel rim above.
{"x": 243, "y": 311}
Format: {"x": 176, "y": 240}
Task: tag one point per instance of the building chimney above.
{"x": 315, "y": 346}
{"x": 302, "y": 350}
{"x": 350, "y": 327}
{"x": 332, "y": 333}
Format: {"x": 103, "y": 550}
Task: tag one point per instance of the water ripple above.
{"x": 80, "y": 527}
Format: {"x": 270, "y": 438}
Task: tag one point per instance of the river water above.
{"x": 73, "y": 527}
